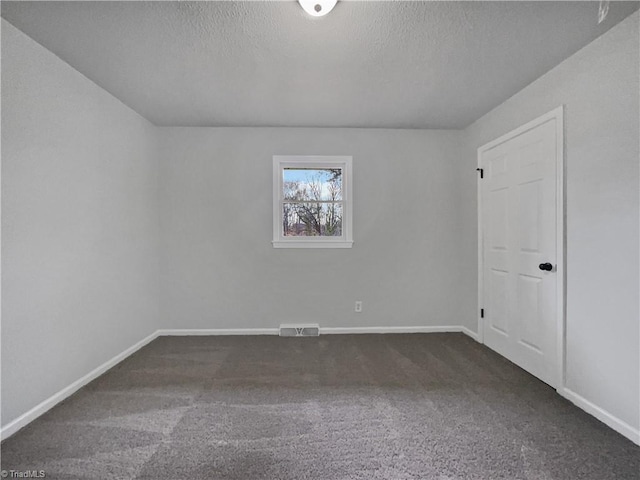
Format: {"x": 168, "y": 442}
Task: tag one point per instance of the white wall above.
{"x": 221, "y": 271}
{"x": 599, "y": 87}
{"x": 79, "y": 225}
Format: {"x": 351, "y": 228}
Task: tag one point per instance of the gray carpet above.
{"x": 435, "y": 406}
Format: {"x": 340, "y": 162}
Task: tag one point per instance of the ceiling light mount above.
{"x": 317, "y": 8}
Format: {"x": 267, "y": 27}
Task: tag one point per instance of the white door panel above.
{"x": 518, "y": 198}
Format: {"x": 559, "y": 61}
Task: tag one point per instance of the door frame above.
{"x": 558, "y": 115}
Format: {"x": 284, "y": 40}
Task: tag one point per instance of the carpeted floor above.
{"x": 414, "y": 406}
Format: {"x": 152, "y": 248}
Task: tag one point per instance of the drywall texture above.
{"x": 599, "y": 87}
{"x": 367, "y": 64}
{"x": 79, "y": 225}
{"x": 221, "y": 270}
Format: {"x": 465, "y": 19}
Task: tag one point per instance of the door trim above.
{"x": 558, "y": 115}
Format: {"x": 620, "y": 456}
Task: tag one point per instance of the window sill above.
{"x": 311, "y": 244}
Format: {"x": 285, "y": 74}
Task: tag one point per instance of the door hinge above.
{"x": 482, "y": 313}
{"x": 481, "y": 170}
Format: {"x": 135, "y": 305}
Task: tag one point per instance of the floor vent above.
{"x": 299, "y": 330}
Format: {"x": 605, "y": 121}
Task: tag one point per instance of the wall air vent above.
{"x": 299, "y": 330}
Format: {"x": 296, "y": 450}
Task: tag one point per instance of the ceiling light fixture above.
{"x": 317, "y": 8}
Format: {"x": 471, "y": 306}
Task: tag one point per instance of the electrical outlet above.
{"x": 358, "y": 306}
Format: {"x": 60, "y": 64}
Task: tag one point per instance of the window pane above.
{"x": 312, "y": 184}
{"x": 312, "y": 219}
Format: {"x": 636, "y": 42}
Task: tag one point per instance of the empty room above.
{"x": 320, "y": 239}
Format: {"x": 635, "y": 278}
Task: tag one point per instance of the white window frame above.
{"x": 343, "y": 162}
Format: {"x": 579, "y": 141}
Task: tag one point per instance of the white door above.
{"x": 520, "y": 255}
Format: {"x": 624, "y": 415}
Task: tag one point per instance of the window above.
{"x": 312, "y": 202}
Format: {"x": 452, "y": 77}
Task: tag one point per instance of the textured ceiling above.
{"x": 366, "y": 64}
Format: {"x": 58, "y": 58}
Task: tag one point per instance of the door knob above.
{"x": 546, "y": 266}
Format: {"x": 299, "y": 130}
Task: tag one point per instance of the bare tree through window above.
{"x": 313, "y": 202}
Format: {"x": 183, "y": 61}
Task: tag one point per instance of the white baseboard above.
{"x": 181, "y": 332}
{"x": 605, "y": 417}
{"x": 28, "y": 417}
{"x": 415, "y": 329}
{"x": 470, "y": 333}
{"x": 323, "y": 330}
